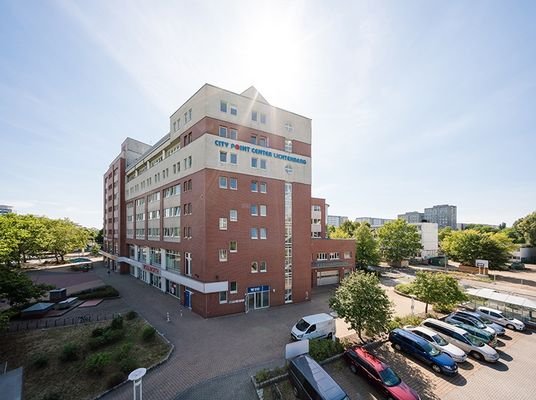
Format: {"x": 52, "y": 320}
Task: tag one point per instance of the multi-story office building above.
{"x": 4, "y": 209}
{"x": 218, "y": 212}
{"x": 412, "y": 217}
{"x": 428, "y": 232}
{"x": 336, "y": 220}
{"x": 443, "y": 215}
{"x": 373, "y": 222}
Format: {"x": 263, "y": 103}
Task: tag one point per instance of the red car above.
{"x": 379, "y": 374}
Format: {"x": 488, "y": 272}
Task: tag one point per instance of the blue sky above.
{"x": 413, "y": 103}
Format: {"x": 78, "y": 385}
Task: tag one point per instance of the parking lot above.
{"x": 511, "y": 377}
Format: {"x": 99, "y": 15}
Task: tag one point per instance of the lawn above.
{"x": 82, "y": 361}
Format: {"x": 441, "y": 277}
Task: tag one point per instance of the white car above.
{"x": 438, "y": 342}
{"x": 499, "y": 318}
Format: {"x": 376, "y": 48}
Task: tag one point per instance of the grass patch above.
{"x": 97, "y": 293}
{"x": 78, "y": 379}
{"x": 405, "y": 288}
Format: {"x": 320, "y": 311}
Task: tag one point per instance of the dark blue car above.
{"x": 422, "y": 350}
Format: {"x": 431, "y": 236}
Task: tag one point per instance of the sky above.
{"x": 413, "y": 103}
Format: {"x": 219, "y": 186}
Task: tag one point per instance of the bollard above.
{"x": 167, "y": 317}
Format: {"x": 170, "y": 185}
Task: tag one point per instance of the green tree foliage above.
{"x": 438, "y": 289}
{"x": 65, "y": 236}
{"x": 363, "y": 304}
{"x": 527, "y": 227}
{"x": 470, "y": 245}
{"x": 444, "y": 232}
{"x": 366, "y": 252}
{"x": 398, "y": 241}
{"x": 482, "y": 228}
{"x": 345, "y": 231}
{"x": 18, "y": 288}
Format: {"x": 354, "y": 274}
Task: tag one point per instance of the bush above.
{"x": 405, "y": 288}
{"x": 97, "y": 293}
{"x": 128, "y": 365}
{"x": 115, "y": 379}
{"x": 123, "y": 351}
{"x": 97, "y": 332}
{"x": 265, "y": 374}
{"x": 69, "y": 352}
{"x": 131, "y": 315}
{"x": 324, "y": 348}
{"x": 97, "y": 362}
{"x": 40, "y": 361}
{"x": 400, "y": 322}
{"x": 52, "y": 396}
{"x": 444, "y": 308}
{"x": 148, "y": 333}
{"x": 117, "y": 323}
{"x": 107, "y": 337}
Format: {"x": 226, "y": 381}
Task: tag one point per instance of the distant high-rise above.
{"x": 373, "y": 222}
{"x": 5, "y": 209}
{"x": 336, "y": 220}
{"x": 443, "y": 215}
{"x": 412, "y": 217}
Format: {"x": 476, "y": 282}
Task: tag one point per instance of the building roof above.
{"x": 254, "y": 94}
{"x": 506, "y": 298}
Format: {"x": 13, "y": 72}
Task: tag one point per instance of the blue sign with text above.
{"x": 255, "y": 289}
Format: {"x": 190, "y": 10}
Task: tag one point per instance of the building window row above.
{"x": 258, "y": 117}
{"x": 257, "y": 210}
{"x": 172, "y": 212}
{"x": 229, "y": 133}
{"x": 187, "y": 209}
{"x": 258, "y": 162}
{"x": 260, "y": 187}
{"x": 258, "y": 266}
{"x": 228, "y": 157}
{"x": 187, "y": 232}
{"x": 258, "y": 140}
{"x": 172, "y": 191}
{"x": 153, "y": 232}
{"x": 154, "y": 214}
{"x": 226, "y": 107}
{"x": 258, "y": 233}
{"x": 225, "y": 182}
{"x": 171, "y": 232}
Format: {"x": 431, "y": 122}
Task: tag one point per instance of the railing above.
{"x": 26, "y": 325}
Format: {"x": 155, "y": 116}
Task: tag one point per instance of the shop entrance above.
{"x": 257, "y": 297}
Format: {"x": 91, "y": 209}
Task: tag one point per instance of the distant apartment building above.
{"x": 332, "y": 259}
{"x": 4, "y": 209}
{"x": 336, "y": 220}
{"x": 428, "y": 232}
{"x": 373, "y": 222}
{"x": 443, "y": 215}
{"x": 464, "y": 225}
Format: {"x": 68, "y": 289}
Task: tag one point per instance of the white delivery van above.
{"x": 314, "y": 327}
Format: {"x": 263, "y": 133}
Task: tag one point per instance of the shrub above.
{"x": 324, "y": 348}
{"x": 128, "y": 365}
{"x": 98, "y": 293}
{"x": 69, "y": 352}
{"x": 148, "y": 333}
{"x": 123, "y": 351}
{"x": 117, "y": 322}
{"x": 52, "y": 396}
{"x": 444, "y": 308}
{"x": 40, "y": 361}
{"x": 107, "y": 337}
{"x": 97, "y": 332}
{"x": 265, "y": 374}
{"x": 115, "y": 379}
{"x": 96, "y": 342}
{"x": 405, "y": 288}
{"x": 131, "y": 315}
{"x": 97, "y": 362}
{"x": 399, "y": 322}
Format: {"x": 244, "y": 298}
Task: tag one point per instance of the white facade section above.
{"x": 429, "y": 238}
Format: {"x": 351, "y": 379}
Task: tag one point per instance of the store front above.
{"x": 258, "y": 297}
{"x": 172, "y": 288}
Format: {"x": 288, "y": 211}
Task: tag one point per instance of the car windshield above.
{"x": 389, "y": 377}
{"x": 430, "y": 349}
{"x": 479, "y": 324}
{"x": 474, "y": 341}
{"x": 439, "y": 340}
{"x": 302, "y": 325}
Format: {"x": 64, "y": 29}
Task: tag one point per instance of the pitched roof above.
{"x": 254, "y": 94}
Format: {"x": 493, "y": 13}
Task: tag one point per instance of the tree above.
{"x": 366, "y": 251}
{"x": 527, "y": 227}
{"x": 65, "y": 236}
{"x": 398, "y": 241}
{"x": 437, "y": 289}
{"x": 363, "y": 304}
{"x": 444, "y": 232}
{"x": 470, "y": 245}
{"x": 18, "y": 288}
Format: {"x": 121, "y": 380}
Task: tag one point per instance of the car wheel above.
{"x": 436, "y": 368}
{"x": 330, "y": 336}
{"x": 295, "y": 390}
{"x": 510, "y": 326}
{"x": 353, "y": 368}
{"x": 476, "y": 355}
{"x": 397, "y": 347}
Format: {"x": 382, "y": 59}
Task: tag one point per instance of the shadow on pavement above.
{"x": 504, "y": 356}
{"x": 500, "y": 344}
{"x": 466, "y": 366}
{"x": 506, "y": 337}
{"x": 389, "y": 282}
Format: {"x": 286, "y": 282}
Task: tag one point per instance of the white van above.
{"x": 314, "y": 327}
{"x": 499, "y": 318}
{"x": 462, "y": 339}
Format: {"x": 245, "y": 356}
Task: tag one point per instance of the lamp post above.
{"x": 136, "y": 378}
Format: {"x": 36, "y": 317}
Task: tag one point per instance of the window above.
{"x": 233, "y": 215}
{"x": 289, "y": 127}
{"x": 234, "y": 110}
{"x": 234, "y": 158}
{"x": 262, "y": 266}
{"x": 263, "y": 141}
{"x": 288, "y": 145}
{"x": 253, "y": 139}
{"x": 263, "y": 118}
{"x": 173, "y": 260}
{"x": 254, "y": 267}
{"x": 223, "y": 182}
{"x": 263, "y": 187}
{"x": 334, "y": 256}
{"x": 233, "y": 183}
{"x": 172, "y": 191}
{"x": 254, "y": 115}
{"x": 223, "y": 254}
{"x": 316, "y": 208}
{"x": 263, "y": 233}
{"x": 234, "y": 287}
{"x": 223, "y": 106}
{"x": 254, "y": 186}
{"x": 223, "y": 297}
{"x": 347, "y": 255}
{"x": 232, "y": 134}
{"x": 253, "y": 233}
{"x": 223, "y": 131}
{"x": 233, "y": 246}
{"x": 263, "y": 163}
{"x": 262, "y": 210}
{"x": 253, "y": 210}
{"x": 187, "y": 263}
{"x": 254, "y": 162}
{"x": 223, "y": 224}
{"x": 322, "y": 256}
{"x": 223, "y": 156}
{"x": 174, "y": 126}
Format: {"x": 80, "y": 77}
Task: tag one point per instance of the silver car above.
{"x": 438, "y": 342}
{"x": 498, "y": 317}
{"x": 496, "y": 327}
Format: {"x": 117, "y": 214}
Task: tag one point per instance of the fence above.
{"x": 22, "y": 325}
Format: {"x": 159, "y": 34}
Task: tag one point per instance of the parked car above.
{"x": 496, "y": 327}
{"x": 310, "y": 381}
{"x": 468, "y": 320}
{"x": 462, "y": 339}
{"x": 438, "y": 342}
{"x": 481, "y": 334}
{"x": 379, "y": 374}
{"x": 498, "y": 317}
{"x": 315, "y": 326}
{"x": 517, "y": 265}
{"x": 419, "y": 348}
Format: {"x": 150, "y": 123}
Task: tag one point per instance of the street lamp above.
{"x": 136, "y": 377}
